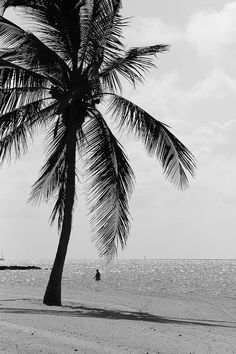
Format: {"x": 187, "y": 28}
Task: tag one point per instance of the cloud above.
{"x": 216, "y": 140}
{"x": 211, "y": 98}
{"x": 213, "y": 32}
{"x": 216, "y": 85}
{"x": 150, "y": 30}
{"x": 203, "y": 118}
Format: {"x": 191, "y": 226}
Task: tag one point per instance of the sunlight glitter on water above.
{"x": 149, "y": 277}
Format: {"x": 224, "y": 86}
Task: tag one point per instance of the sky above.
{"x": 193, "y": 90}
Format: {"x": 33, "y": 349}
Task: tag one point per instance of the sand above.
{"x": 96, "y": 322}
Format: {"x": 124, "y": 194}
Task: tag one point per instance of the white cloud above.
{"x": 203, "y": 117}
{"x": 216, "y": 140}
{"x": 216, "y": 85}
{"x": 209, "y": 99}
{"x": 150, "y": 30}
{"x": 213, "y": 32}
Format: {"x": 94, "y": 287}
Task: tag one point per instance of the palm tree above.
{"x": 55, "y": 77}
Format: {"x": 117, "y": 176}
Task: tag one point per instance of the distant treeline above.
{"x": 18, "y": 267}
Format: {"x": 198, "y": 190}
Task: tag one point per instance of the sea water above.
{"x": 147, "y": 277}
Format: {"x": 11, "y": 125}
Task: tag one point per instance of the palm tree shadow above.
{"x": 147, "y": 317}
{"x": 83, "y": 311}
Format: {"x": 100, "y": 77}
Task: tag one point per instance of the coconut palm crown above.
{"x": 54, "y": 78}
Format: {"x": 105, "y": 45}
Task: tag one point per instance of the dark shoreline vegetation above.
{"x": 14, "y": 267}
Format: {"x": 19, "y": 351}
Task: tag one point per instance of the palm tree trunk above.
{"x": 53, "y": 292}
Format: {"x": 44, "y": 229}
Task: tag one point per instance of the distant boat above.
{"x": 2, "y": 257}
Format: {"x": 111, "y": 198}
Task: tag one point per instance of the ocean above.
{"x": 147, "y": 277}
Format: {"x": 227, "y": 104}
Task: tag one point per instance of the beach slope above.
{"x": 96, "y": 322}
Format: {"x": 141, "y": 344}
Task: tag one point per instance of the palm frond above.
{"x": 59, "y": 207}
{"x": 89, "y": 13}
{"x": 14, "y": 3}
{"x": 26, "y": 50}
{"x": 101, "y": 29}
{"x": 111, "y": 81}
{"x": 12, "y": 75}
{"x": 13, "y": 118}
{"x": 110, "y": 26}
{"x": 174, "y": 157}
{"x": 18, "y": 97}
{"x": 53, "y": 180}
{"x": 17, "y": 126}
{"x": 132, "y": 65}
{"x": 56, "y": 22}
{"x": 109, "y": 185}
{"x": 51, "y": 174}
{"x": 15, "y": 140}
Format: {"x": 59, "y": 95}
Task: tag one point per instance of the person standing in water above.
{"x": 97, "y": 276}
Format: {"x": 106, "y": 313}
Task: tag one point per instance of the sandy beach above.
{"x": 101, "y": 321}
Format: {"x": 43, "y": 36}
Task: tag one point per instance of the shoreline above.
{"x": 98, "y": 321}
{"x": 17, "y": 267}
